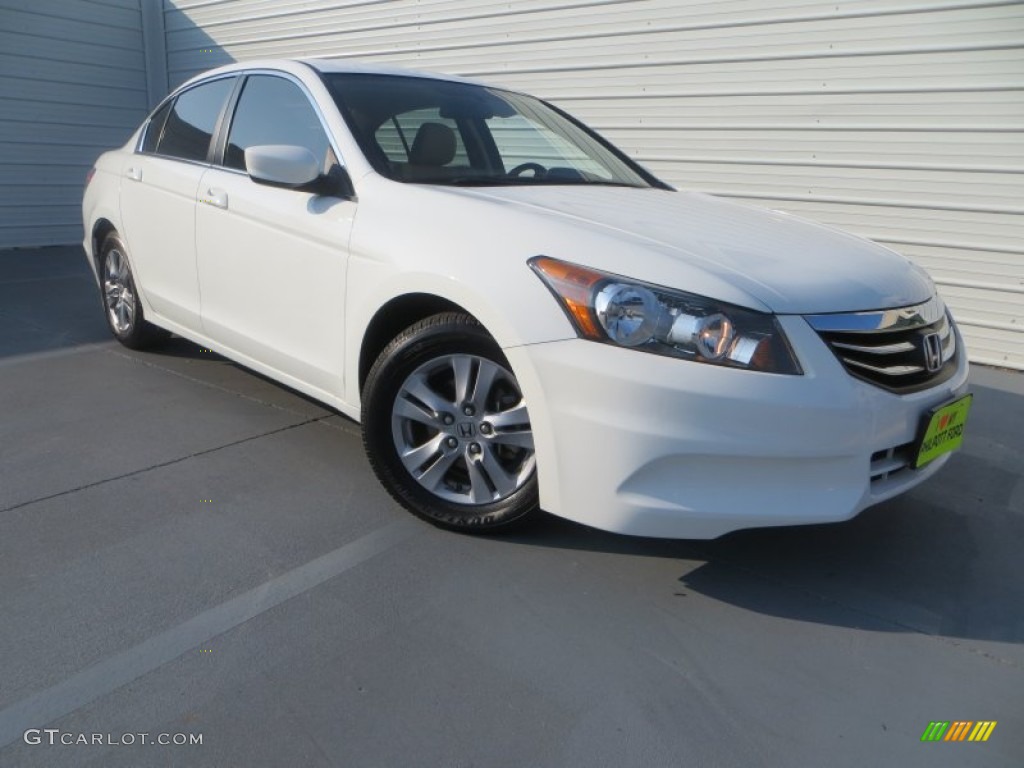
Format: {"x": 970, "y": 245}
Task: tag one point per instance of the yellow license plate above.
{"x": 943, "y": 431}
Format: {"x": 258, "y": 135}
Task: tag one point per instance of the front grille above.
{"x": 902, "y": 350}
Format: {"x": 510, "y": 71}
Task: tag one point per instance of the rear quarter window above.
{"x": 154, "y": 128}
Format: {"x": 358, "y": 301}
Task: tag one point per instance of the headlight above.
{"x": 616, "y": 310}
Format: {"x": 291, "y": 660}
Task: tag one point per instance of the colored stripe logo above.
{"x": 958, "y": 730}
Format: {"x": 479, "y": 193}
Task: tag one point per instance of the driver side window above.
{"x": 273, "y": 110}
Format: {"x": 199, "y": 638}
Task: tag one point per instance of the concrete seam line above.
{"x": 108, "y": 675}
{"x": 78, "y": 349}
{"x": 216, "y": 387}
{"x": 162, "y": 464}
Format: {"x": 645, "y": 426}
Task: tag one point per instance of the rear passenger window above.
{"x": 191, "y": 121}
{"x": 153, "y": 130}
{"x": 272, "y": 110}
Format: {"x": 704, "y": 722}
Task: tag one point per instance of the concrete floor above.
{"x": 186, "y": 547}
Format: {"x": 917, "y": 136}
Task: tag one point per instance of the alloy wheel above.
{"x": 118, "y": 293}
{"x": 461, "y": 429}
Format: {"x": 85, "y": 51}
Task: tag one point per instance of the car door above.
{"x": 272, "y": 260}
{"x": 158, "y": 200}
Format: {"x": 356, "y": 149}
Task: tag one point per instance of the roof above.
{"x": 347, "y": 65}
{"x": 328, "y": 66}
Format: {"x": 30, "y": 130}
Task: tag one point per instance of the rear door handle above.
{"x": 133, "y": 173}
{"x": 215, "y": 197}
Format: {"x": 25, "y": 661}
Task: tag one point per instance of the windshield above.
{"x": 425, "y": 131}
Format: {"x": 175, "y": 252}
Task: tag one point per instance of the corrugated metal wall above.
{"x": 72, "y": 84}
{"x": 902, "y": 120}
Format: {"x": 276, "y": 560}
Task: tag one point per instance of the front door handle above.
{"x": 134, "y": 173}
{"x": 215, "y": 197}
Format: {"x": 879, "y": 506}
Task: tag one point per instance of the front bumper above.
{"x": 652, "y": 446}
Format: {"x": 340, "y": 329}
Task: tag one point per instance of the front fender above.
{"x": 372, "y": 284}
{"x": 408, "y": 239}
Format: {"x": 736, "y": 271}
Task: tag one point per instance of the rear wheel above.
{"x": 121, "y": 304}
{"x": 446, "y": 427}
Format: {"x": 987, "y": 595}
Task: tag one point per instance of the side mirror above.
{"x": 335, "y": 183}
{"x": 282, "y": 165}
{"x": 292, "y": 167}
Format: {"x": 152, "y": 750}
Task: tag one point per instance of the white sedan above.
{"x": 520, "y": 316}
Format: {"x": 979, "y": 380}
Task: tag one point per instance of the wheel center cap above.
{"x": 466, "y": 429}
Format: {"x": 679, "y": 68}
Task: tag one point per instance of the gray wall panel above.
{"x": 72, "y": 84}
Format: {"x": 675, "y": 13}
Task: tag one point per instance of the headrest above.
{"x": 434, "y": 145}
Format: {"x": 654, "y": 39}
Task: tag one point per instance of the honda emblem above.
{"x": 932, "y": 345}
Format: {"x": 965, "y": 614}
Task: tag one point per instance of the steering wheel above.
{"x": 538, "y": 170}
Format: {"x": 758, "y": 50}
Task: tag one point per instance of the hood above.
{"x": 790, "y": 265}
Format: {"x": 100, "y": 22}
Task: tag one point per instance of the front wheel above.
{"x": 446, "y": 428}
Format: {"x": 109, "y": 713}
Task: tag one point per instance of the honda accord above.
{"x": 520, "y": 315}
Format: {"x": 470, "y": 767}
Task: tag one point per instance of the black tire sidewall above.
{"x": 437, "y": 336}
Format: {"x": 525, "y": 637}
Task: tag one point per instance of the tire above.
{"x": 121, "y": 305}
{"x": 469, "y": 463}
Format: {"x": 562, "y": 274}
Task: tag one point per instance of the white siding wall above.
{"x": 72, "y": 84}
{"x": 902, "y": 120}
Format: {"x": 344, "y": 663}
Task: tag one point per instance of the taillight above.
{"x": 89, "y": 175}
